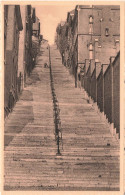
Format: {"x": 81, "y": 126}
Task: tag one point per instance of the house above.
{"x": 19, "y": 47}
{"x": 92, "y": 54}
{"x": 13, "y": 25}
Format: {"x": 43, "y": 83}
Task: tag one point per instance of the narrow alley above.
{"x": 89, "y": 154}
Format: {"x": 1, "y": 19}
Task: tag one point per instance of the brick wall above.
{"x": 85, "y": 82}
{"x": 83, "y": 53}
{"x": 100, "y": 93}
{"x": 85, "y": 75}
{"x": 108, "y": 46}
{"x": 108, "y": 93}
{"x": 93, "y": 85}
{"x": 88, "y": 75}
{"x": 83, "y": 20}
{"x": 106, "y": 50}
{"x": 110, "y": 20}
{"x": 102, "y": 83}
{"x": 116, "y": 93}
{"x": 97, "y": 14}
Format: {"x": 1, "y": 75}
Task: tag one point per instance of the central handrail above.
{"x": 56, "y": 110}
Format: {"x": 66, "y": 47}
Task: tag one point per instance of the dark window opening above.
{"x": 106, "y": 32}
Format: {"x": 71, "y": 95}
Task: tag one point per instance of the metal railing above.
{"x": 56, "y": 111}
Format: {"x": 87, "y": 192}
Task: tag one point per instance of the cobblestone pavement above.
{"x": 89, "y": 157}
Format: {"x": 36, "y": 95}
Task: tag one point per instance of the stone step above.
{"x": 89, "y": 157}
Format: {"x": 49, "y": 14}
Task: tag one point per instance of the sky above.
{"x": 50, "y": 16}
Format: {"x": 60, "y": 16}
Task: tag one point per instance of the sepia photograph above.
{"x": 62, "y": 125}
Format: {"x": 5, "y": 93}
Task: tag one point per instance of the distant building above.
{"x": 36, "y": 27}
{"x": 61, "y": 39}
{"x": 69, "y": 35}
{"x": 30, "y": 18}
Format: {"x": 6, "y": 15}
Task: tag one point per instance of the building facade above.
{"x": 93, "y": 36}
{"x": 19, "y": 58}
{"x": 13, "y": 25}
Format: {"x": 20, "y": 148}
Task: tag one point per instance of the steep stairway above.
{"x": 89, "y": 157}
{"x": 88, "y": 147}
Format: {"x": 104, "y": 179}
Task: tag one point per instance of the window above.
{"x": 91, "y": 19}
{"x": 90, "y": 51}
{"x": 90, "y": 28}
{"x": 101, "y": 19}
{"x": 91, "y": 24}
{"x": 117, "y": 45}
{"x": 90, "y": 47}
{"x": 106, "y": 32}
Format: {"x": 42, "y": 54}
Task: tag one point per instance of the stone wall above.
{"x": 116, "y": 92}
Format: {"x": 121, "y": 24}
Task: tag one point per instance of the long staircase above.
{"x": 90, "y": 156}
